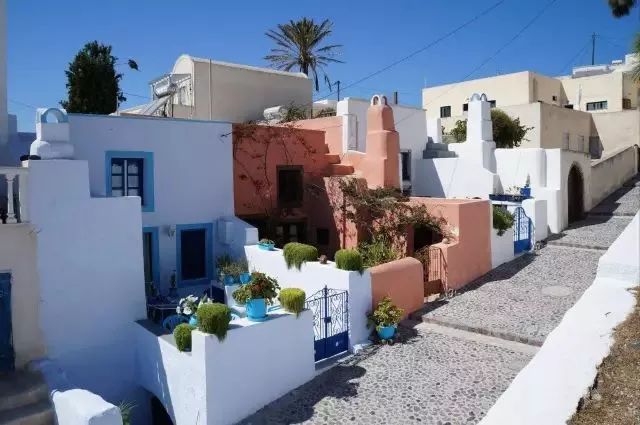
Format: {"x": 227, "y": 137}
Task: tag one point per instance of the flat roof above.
{"x": 246, "y": 67}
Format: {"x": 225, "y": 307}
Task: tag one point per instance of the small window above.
{"x": 290, "y": 186}
{"x": 127, "y": 177}
{"x": 406, "y": 165}
{"x": 492, "y": 103}
{"x": 626, "y": 103}
{"x": 465, "y": 107}
{"x": 322, "y": 236}
{"x": 445, "y": 111}
{"x": 597, "y": 106}
{"x": 554, "y": 98}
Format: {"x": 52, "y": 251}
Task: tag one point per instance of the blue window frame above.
{"x": 130, "y": 173}
{"x": 194, "y": 247}
{"x": 151, "y": 255}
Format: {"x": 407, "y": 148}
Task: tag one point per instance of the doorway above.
{"x": 7, "y": 355}
{"x": 159, "y": 415}
{"x": 575, "y": 194}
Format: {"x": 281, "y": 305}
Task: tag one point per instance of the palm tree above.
{"x": 298, "y": 45}
{"x": 621, "y": 7}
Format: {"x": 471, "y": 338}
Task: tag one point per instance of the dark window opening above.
{"x": 465, "y": 107}
{"x": 159, "y": 415}
{"x": 290, "y": 186}
{"x": 445, "y": 111}
{"x": 126, "y": 177}
{"x": 193, "y": 254}
{"x": 554, "y": 98}
{"x": 322, "y": 236}
{"x": 424, "y": 236}
{"x": 290, "y": 232}
{"x": 597, "y": 106}
{"x": 147, "y": 247}
{"x": 492, "y": 103}
{"x": 406, "y": 165}
{"x": 626, "y": 103}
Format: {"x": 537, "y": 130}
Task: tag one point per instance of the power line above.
{"x": 422, "y": 49}
{"x": 26, "y": 105}
{"x": 137, "y": 95}
{"x": 577, "y": 55}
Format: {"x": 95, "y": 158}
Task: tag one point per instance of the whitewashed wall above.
{"x": 514, "y": 165}
{"x": 536, "y": 210}
{"x": 453, "y": 178}
{"x": 193, "y": 170}
{"x": 501, "y": 247}
{"x": 220, "y": 383}
{"x": 314, "y": 276}
{"x": 89, "y": 259}
{"x": 612, "y": 171}
{"x": 549, "y": 388}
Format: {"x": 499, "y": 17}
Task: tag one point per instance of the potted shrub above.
{"x": 292, "y": 300}
{"x": 385, "y": 318}
{"x": 296, "y": 253}
{"x": 182, "y": 336}
{"x": 235, "y": 272}
{"x": 349, "y": 259}
{"x": 502, "y": 219}
{"x": 214, "y": 318}
{"x": 266, "y": 244}
{"x": 256, "y": 295}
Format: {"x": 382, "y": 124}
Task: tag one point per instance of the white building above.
{"x": 205, "y": 89}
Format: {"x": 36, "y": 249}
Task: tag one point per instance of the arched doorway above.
{"x": 159, "y": 415}
{"x": 575, "y": 194}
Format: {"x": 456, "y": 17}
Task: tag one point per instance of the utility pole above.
{"x": 338, "y": 86}
{"x": 593, "y": 48}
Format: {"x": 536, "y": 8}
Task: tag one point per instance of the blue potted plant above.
{"x": 256, "y": 295}
{"x": 526, "y": 190}
{"x": 266, "y": 244}
{"x": 385, "y": 318}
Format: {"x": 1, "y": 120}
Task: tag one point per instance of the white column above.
{"x": 23, "y": 183}
{"x": 11, "y": 216}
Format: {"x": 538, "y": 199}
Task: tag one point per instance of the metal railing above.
{"x": 434, "y": 268}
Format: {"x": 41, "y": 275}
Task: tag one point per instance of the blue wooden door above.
{"x": 6, "y": 341}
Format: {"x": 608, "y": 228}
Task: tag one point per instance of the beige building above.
{"x": 211, "y": 90}
{"x": 594, "y": 109}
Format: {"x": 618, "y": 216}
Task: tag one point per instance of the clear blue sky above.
{"x": 44, "y": 36}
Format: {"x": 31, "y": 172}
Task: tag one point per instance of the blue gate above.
{"x": 521, "y": 231}
{"x": 330, "y": 309}
{"x": 6, "y": 342}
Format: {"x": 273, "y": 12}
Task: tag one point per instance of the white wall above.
{"x": 313, "y": 277}
{"x": 514, "y": 165}
{"x": 501, "y": 247}
{"x": 453, "y": 178}
{"x": 89, "y": 259}
{"x": 193, "y": 170}
{"x": 549, "y": 388}
{"x": 220, "y": 383}
{"x": 536, "y": 210}
{"x": 611, "y": 172}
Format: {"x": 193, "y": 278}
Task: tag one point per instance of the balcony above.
{"x": 13, "y": 205}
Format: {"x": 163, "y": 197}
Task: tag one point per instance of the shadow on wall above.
{"x": 428, "y": 181}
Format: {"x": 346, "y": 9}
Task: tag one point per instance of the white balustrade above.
{"x": 16, "y": 179}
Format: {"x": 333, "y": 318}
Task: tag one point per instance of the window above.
{"x": 290, "y": 232}
{"x": 465, "y": 107}
{"x": 322, "y": 236}
{"x": 406, "y": 165}
{"x": 290, "y": 186}
{"x": 150, "y": 255}
{"x": 554, "y": 98}
{"x": 194, "y": 262}
{"x": 596, "y": 106}
{"x": 445, "y": 111}
{"x": 626, "y": 103}
{"x": 492, "y": 103}
{"x": 130, "y": 174}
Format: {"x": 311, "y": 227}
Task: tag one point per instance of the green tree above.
{"x": 507, "y": 131}
{"x": 621, "y": 7}
{"x": 93, "y": 85}
{"x": 299, "y": 46}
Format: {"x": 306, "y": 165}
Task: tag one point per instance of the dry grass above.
{"x": 615, "y": 398}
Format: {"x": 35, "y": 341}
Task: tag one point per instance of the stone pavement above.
{"x": 429, "y": 378}
{"x": 450, "y": 370}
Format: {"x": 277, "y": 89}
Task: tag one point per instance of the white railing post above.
{"x": 11, "y": 216}
{"x": 23, "y": 205}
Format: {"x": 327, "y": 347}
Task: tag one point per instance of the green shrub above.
{"x": 349, "y": 259}
{"x": 297, "y": 253}
{"x": 502, "y": 219}
{"x": 292, "y": 299}
{"x": 377, "y": 252}
{"x": 214, "y": 319}
{"x": 182, "y": 336}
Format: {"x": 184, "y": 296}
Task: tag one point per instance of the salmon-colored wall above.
{"x": 402, "y": 281}
{"x": 332, "y": 126}
{"x": 468, "y": 253}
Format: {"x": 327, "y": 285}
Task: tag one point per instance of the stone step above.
{"x": 340, "y": 170}
{"x": 22, "y": 389}
{"x": 437, "y": 147}
{"x": 40, "y": 413}
{"x": 332, "y": 158}
{"x": 431, "y": 154}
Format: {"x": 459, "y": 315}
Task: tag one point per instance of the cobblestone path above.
{"x": 450, "y": 368}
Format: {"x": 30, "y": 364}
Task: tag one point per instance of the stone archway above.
{"x": 575, "y": 194}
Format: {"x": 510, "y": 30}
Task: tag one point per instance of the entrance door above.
{"x": 330, "y": 308}
{"x": 6, "y": 341}
{"x": 575, "y": 190}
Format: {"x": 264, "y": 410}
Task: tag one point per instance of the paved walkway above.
{"x": 451, "y": 368}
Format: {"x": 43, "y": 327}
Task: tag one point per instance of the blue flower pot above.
{"x": 525, "y": 191}
{"x": 245, "y": 278}
{"x": 229, "y": 280}
{"x": 193, "y": 320}
{"x": 266, "y": 246}
{"x": 257, "y": 310}
{"x": 386, "y": 332}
